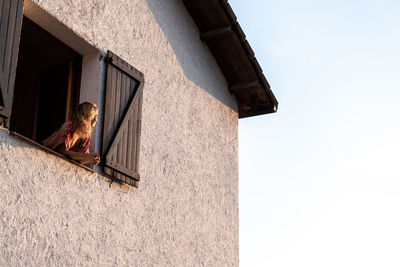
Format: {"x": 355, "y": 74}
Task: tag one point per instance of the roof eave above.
{"x": 227, "y": 42}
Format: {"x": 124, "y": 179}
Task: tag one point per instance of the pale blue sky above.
{"x": 319, "y": 181}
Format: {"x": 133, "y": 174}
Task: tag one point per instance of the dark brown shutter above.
{"x": 122, "y": 120}
{"x": 10, "y": 31}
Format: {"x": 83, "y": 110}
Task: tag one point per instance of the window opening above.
{"x": 47, "y": 83}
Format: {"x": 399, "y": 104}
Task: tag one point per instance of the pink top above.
{"x": 63, "y": 136}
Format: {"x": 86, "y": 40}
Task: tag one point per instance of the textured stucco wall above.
{"x": 185, "y": 212}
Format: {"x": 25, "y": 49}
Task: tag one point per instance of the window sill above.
{"x": 48, "y": 150}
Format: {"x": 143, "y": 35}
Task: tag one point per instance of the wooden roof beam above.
{"x": 255, "y": 112}
{"x": 216, "y": 33}
{"x": 243, "y": 86}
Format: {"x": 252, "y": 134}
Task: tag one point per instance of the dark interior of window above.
{"x": 46, "y": 85}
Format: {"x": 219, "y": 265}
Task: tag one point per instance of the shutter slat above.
{"x": 117, "y": 98}
{"x": 15, "y": 48}
{"x": 116, "y": 160}
{"x": 126, "y": 94}
{"x": 120, "y": 138}
{"x": 122, "y": 95}
{"x": 123, "y": 149}
{"x": 10, "y": 30}
{"x": 129, "y": 145}
{"x": 10, "y": 44}
{"x": 4, "y": 30}
{"x": 134, "y": 131}
{"x": 1, "y": 9}
{"x": 124, "y": 100}
{"x": 139, "y": 126}
{"x": 112, "y": 101}
{"x": 133, "y": 138}
{"x": 108, "y": 108}
{"x": 117, "y": 116}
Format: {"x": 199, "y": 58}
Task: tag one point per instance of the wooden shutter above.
{"x": 10, "y": 31}
{"x": 122, "y": 120}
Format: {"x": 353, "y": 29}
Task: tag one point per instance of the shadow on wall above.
{"x": 193, "y": 55}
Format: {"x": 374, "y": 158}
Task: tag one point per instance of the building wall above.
{"x": 185, "y": 211}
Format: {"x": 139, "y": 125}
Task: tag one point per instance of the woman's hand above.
{"x": 93, "y": 158}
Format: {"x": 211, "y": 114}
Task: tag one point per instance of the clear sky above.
{"x": 319, "y": 181}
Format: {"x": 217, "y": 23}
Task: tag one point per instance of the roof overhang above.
{"x": 227, "y": 42}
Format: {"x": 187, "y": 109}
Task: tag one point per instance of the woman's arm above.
{"x": 82, "y": 158}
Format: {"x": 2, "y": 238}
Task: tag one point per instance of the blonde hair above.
{"x": 81, "y": 119}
